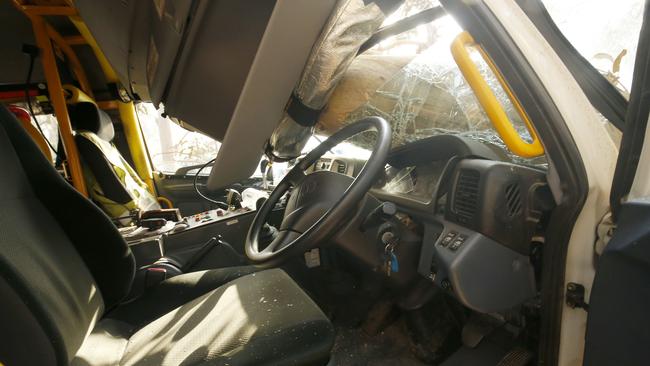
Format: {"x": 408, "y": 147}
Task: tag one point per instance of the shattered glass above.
{"x": 429, "y": 96}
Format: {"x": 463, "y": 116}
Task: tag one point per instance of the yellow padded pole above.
{"x": 489, "y": 101}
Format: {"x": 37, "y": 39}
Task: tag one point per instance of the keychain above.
{"x": 391, "y": 263}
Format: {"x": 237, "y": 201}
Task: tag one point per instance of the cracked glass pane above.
{"x": 416, "y": 86}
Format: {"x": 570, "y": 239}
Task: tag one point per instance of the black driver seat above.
{"x": 65, "y": 270}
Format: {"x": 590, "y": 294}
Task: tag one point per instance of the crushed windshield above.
{"x": 412, "y": 81}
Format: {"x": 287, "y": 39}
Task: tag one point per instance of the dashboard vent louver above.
{"x": 513, "y": 199}
{"x": 341, "y": 168}
{"x": 466, "y": 195}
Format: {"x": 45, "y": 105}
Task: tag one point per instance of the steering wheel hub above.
{"x": 319, "y": 202}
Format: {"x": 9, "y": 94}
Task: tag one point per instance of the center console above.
{"x": 150, "y": 244}
{"x": 208, "y": 240}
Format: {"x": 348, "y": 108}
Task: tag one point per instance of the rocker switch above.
{"x": 460, "y": 239}
{"x": 447, "y": 239}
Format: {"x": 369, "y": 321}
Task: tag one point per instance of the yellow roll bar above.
{"x": 46, "y": 38}
{"x": 136, "y": 143}
{"x": 76, "y": 95}
{"x": 110, "y": 74}
{"x": 490, "y": 103}
{"x": 55, "y": 90}
{"x": 46, "y": 10}
{"x": 127, "y": 112}
{"x": 77, "y": 69}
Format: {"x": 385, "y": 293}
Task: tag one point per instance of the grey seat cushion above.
{"x": 174, "y": 292}
{"x": 262, "y": 318}
{"x": 105, "y": 345}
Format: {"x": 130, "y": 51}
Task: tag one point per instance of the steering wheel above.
{"x": 320, "y": 202}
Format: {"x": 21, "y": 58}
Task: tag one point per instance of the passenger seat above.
{"x": 112, "y": 183}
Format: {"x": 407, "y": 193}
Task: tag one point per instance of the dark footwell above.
{"x": 389, "y": 347}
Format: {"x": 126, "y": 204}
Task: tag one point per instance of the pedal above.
{"x": 477, "y": 328}
{"x": 518, "y": 356}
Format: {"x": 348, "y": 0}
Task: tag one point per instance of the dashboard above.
{"x": 418, "y": 182}
{"x": 413, "y": 171}
{"x": 475, "y": 215}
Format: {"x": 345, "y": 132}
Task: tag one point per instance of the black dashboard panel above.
{"x": 480, "y": 248}
{"x": 480, "y": 214}
{"x": 502, "y": 201}
{"x": 441, "y": 148}
{"x": 417, "y": 182}
{"x": 414, "y": 170}
{"x": 480, "y": 272}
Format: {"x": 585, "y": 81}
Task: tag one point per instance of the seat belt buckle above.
{"x": 154, "y": 276}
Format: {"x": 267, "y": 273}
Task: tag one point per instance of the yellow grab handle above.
{"x": 166, "y": 201}
{"x": 489, "y": 101}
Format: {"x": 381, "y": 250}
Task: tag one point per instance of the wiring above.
{"x": 32, "y": 52}
{"x": 196, "y": 187}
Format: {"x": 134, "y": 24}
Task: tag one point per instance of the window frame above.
{"x": 601, "y": 93}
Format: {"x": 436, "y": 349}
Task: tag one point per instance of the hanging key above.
{"x": 394, "y": 263}
{"x": 391, "y": 262}
{"x": 387, "y": 259}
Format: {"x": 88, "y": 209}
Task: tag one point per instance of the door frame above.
{"x": 580, "y": 171}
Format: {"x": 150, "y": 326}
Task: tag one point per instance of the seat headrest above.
{"x": 86, "y": 116}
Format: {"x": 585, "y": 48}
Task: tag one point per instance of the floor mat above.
{"x": 390, "y": 347}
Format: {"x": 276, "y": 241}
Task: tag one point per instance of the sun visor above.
{"x": 228, "y": 68}
{"x": 283, "y": 51}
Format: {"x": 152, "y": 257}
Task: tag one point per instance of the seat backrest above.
{"x": 62, "y": 261}
{"x": 112, "y": 182}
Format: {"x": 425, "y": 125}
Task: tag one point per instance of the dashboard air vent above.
{"x": 322, "y": 164}
{"x": 513, "y": 199}
{"x": 466, "y": 195}
{"x": 341, "y": 168}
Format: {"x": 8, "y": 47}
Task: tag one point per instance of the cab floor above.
{"x": 390, "y": 347}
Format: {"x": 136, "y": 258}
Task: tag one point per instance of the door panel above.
{"x": 618, "y": 328}
{"x": 618, "y": 325}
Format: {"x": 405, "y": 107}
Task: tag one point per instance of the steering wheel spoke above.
{"x": 295, "y": 177}
{"x": 284, "y": 238}
{"x": 271, "y": 247}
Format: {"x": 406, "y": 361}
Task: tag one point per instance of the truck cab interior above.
{"x": 340, "y": 182}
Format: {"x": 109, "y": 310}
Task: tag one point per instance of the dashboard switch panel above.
{"x": 448, "y": 238}
{"x": 500, "y": 200}
{"x": 481, "y": 273}
{"x": 457, "y": 243}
